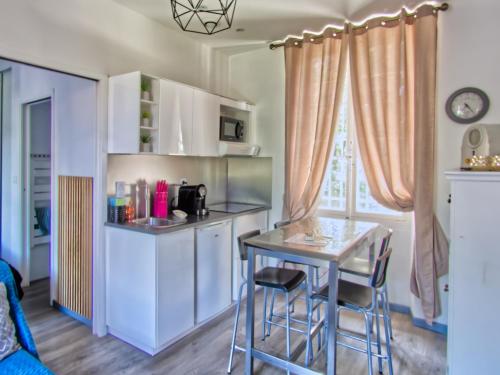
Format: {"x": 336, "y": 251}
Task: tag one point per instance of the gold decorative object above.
{"x": 483, "y": 163}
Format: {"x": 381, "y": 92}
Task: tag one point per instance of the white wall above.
{"x": 259, "y": 77}
{"x": 73, "y": 142}
{"x": 98, "y": 37}
{"x": 468, "y": 56}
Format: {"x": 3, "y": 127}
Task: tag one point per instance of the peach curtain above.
{"x": 393, "y": 76}
{"x": 315, "y": 75}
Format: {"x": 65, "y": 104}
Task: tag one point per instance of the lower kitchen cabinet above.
{"x": 159, "y": 287}
{"x": 150, "y": 286}
{"x": 213, "y": 270}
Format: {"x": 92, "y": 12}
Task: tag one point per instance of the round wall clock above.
{"x": 467, "y": 105}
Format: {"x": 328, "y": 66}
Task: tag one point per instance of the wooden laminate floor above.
{"x": 68, "y": 347}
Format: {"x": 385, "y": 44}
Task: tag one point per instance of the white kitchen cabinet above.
{"x": 206, "y": 119}
{"x": 175, "y": 290}
{"x": 149, "y": 286}
{"x": 126, "y": 112}
{"x": 213, "y": 270}
{"x": 474, "y": 279}
{"x": 244, "y": 224}
{"x": 176, "y": 118}
{"x": 183, "y": 120}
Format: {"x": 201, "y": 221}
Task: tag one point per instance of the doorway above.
{"x": 37, "y": 182}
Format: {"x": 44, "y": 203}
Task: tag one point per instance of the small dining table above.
{"x": 340, "y": 239}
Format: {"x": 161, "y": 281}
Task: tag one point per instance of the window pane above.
{"x": 364, "y": 200}
{"x": 334, "y": 190}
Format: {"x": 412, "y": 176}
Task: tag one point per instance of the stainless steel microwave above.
{"x": 232, "y": 130}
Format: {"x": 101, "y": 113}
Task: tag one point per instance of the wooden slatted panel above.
{"x": 75, "y": 244}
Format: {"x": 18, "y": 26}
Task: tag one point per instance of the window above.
{"x": 345, "y": 189}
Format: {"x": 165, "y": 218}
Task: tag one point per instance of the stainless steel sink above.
{"x": 156, "y": 222}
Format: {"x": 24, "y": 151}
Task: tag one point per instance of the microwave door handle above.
{"x": 238, "y": 130}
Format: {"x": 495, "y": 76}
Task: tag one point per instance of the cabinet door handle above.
{"x": 210, "y": 226}
{"x": 449, "y": 198}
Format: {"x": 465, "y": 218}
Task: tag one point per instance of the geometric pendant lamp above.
{"x": 203, "y": 16}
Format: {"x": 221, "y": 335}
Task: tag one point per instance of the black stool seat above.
{"x": 349, "y": 294}
{"x": 280, "y": 278}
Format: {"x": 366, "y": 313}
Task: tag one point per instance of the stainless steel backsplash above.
{"x": 246, "y": 180}
{"x": 249, "y": 180}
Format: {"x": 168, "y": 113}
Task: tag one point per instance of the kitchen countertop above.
{"x": 192, "y": 222}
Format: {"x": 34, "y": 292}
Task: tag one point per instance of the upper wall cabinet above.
{"x": 152, "y": 115}
{"x": 176, "y": 118}
{"x": 206, "y": 118}
{"x": 133, "y": 114}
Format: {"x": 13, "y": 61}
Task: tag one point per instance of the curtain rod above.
{"x": 441, "y": 7}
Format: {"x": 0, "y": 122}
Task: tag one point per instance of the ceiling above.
{"x": 267, "y": 20}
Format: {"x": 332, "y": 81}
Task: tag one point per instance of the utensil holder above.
{"x": 160, "y": 206}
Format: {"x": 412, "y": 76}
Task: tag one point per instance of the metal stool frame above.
{"x": 377, "y": 282}
{"x": 288, "y": 303}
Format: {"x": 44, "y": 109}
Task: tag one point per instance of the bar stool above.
{"x": 364, "y": 300}
{"x": 363, "y": 267}
{"x": 316, "y": 285}
{"x": 278, "y": 279}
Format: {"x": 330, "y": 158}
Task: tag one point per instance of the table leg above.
{"x": 333, "y": 272}
{"x": 371, "y": 258}
{"x": 310, "y": 283}
{"x": 250, "y": 311}
{"x": 371, "y": 253}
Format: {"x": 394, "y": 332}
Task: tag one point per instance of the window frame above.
{"x": 352, "y": 156}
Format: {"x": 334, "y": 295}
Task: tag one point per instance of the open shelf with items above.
{"x": 149, "y": 114}
{"x": 153, "y": 141}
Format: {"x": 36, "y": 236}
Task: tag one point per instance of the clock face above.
{"x": 467, "y": 105}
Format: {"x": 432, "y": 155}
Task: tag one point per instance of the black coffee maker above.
{"x": 192, "y": 199}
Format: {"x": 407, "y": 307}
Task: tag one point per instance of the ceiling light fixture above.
{"x": 203, "y": 16}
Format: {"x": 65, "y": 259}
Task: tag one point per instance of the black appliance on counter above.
{"x": 192, "y": 199}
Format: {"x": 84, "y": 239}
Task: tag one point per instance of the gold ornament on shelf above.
{"x": 483, "y": 163}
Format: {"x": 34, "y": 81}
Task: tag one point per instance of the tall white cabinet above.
{"x": 474, "y": 299}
